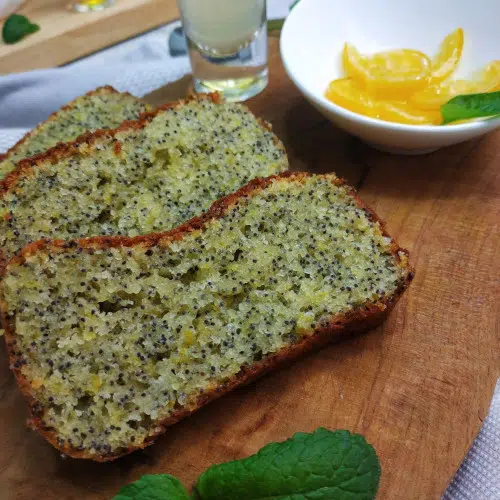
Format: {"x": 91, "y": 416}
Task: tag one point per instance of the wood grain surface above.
{"x": 418, "y": 387}
{"x": 66, "y": 35}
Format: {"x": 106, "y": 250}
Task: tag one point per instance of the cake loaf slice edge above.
{"x": 356, "y": 320}
{"x": 8, "y": 159}
{"x": 31, "y": 172}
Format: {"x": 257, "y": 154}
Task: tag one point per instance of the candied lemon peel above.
{"x": 405, "y": 85}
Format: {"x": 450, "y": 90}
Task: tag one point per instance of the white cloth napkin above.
{"x": 478, "y": 477}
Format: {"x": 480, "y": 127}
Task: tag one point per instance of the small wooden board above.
{"x": 66, "y": 35}
{"x": 418, "y": 387}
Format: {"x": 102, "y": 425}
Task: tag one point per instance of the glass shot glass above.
{"x": 227, "y": 43}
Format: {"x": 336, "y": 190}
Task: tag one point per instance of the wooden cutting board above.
{"x": 66, "y": 35}
{"x": 418, "y": 387}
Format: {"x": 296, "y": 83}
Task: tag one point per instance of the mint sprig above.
{"x": 464, "y": 107}
{"x": 322, "y": 465}
{"x": 16, "y": 27}
{"x": 154, "y": 487}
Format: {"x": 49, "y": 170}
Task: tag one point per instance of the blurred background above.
{"x": 134, "y": 45}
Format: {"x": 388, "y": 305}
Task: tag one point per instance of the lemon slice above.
{"x": 394, "y": 74}
{"x": 490, "y": 76}
{"x": 402, "y": 112}
{"x": 346, "y": 93}
{"x": 434, "y": 96}
{"x": 448, "y": 56}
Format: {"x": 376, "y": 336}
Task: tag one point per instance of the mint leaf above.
{"x": 320, "y": 466}
{"x": 153, "y": 487}
{"x": 17, "y": 27}
{"x": 463, "y": 107}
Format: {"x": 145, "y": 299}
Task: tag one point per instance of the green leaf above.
{"x": 153, "y": 487}
{"x": 324, "y": 465}
{"x": 17, "y": 27}
{"x": 463, "y": 107}
{"x": 294, "y": 4}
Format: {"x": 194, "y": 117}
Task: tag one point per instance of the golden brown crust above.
{"x": 356, "y": 321}
{"x": 105, "y": 89}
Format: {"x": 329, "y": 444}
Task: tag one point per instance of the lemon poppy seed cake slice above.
{"x": 114, "y": 338}
{"x": 148, "y": 175}
{"x": 101, "y": 108}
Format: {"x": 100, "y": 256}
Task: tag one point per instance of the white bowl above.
{"x": 314, "y": 34}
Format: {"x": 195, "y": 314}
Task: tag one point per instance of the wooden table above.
{"x": 418, "y": 387}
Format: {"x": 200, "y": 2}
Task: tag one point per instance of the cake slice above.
{"x": 101, "y": 108}
{"x": 112, "y": 339}
{"x": 148, "y": 175}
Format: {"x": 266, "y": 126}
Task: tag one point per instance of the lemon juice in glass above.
{"x": 227, "y": 41}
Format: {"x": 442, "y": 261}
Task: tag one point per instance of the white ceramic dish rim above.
{"x": 351, "y": 115}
